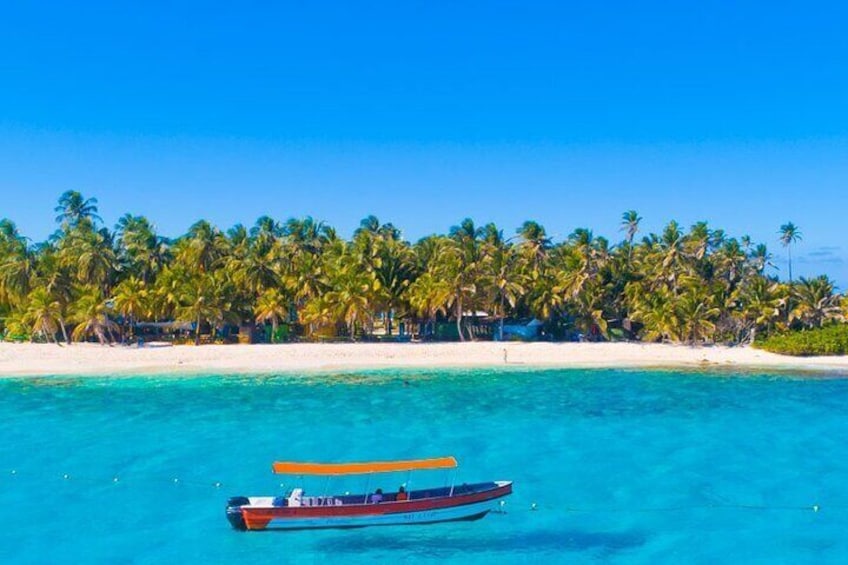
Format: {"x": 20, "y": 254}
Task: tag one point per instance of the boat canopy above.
{"x": 293, "y": 468}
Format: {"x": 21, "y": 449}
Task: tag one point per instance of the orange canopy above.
{"x": 292, "y": 468}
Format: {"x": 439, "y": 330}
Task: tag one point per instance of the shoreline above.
{"x": 38, "y": 360}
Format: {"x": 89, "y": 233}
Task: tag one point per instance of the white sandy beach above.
{"x": 91, "y": 359}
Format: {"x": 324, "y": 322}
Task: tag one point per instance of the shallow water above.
{"x": 623, "y": 466}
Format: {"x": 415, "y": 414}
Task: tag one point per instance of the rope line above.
{"x": 119, "y": 479}
{"x": 533, "y": 507}
{"x": 503, "y": 508}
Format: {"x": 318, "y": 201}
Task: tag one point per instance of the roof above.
{"x": 296, "y": 468}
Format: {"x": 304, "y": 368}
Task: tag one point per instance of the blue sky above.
{"x": 424, "y": 113}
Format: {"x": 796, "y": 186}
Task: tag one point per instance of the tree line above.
{"x": 695, "y": 285}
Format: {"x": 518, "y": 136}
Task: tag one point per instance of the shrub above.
{"x": 830, "y": 340}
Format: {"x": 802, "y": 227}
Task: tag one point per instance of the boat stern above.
{"x": 234, "y": 512}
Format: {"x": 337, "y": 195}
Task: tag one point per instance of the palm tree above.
{"x": 697, "y": 241}
{"x": 265, "y": 233}
{"x": 317, "y": 313}
{"x": 630, "y": 225}
{"x": 131, "y": 301}
{"x": 17, "y": 269}
{"x": 369, "y": 224}
{"x": 352, "y": 287}
{"x": 587, "y": 309}
{"x": 761, "y": 258}
{"x": 789, "y": 234}
{"x": 460, "y": 265}
{"x": 44, "y": 314}
{"x": 656, "y": 311}
{"x": 305, "y": 278}
{"x": 74, "y": 207}
{"x": 815, "y": 302}
{"x": 350, "y": 299}
{"x": 201, "y": 248}
{"x": 500, "y": 274}
{"x": 541, "y": 298}
{"x": 307, "y": 235}
{"x": 535, "y": 241}
{"x": 697, "y": 314}
{"x": 204, "y": 298}
{"x": 272, "y": 306}
{"x": 90, "y": 254}
{"x": 759, "y": 304}
{"x": 253, "y": 268}
{"x": 167, "y": 291}
{"x": 141, "y": 251}
{"x": 429, "y": 296}
{"x": 9, "y": 233}
{"x": 91, "y": 315}
{"x": 729, "y": 263}
{"x": 56, "y": 277}
{"x": 393, "y": 272}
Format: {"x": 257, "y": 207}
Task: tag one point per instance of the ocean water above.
{"x": 621, "y": 466}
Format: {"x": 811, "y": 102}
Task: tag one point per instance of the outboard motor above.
{"x": 234, "y": 514}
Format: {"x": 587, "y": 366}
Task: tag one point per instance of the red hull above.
{"x": 259, "y": 518}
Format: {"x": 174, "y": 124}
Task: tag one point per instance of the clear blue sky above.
{"x": 424, "y": 113}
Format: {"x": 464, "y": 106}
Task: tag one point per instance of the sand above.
{"x": 91, "y": 359}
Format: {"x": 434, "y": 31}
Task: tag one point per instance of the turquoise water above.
{"x": 623, "y": 466}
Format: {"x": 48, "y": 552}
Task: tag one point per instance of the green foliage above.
{"x": 694, "y": 285}
{"x": 829, "y": 340}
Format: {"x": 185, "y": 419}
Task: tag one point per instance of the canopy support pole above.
{"x": 326, "y": 488}
{"x": 367, "y": 487}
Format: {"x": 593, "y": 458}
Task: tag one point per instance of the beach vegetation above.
{"x": 695, "y": 285}
{"x": 827, "y": 340}
{"x": 17, "y": 265}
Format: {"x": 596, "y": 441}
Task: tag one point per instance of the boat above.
{"x": 297, "y": 511}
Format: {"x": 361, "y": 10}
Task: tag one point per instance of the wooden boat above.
{"x": 420, "y": 506}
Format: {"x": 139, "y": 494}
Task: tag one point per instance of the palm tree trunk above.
{"x": 789, "y": 250}
{"x": 64, "y": 331}
{"x": 274, "y": 329}
{"x": 459, "y": 318}
{"x": 503, "y": 313}
{"x": 110, "y": 334}
{"x": 197, "y": 332}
